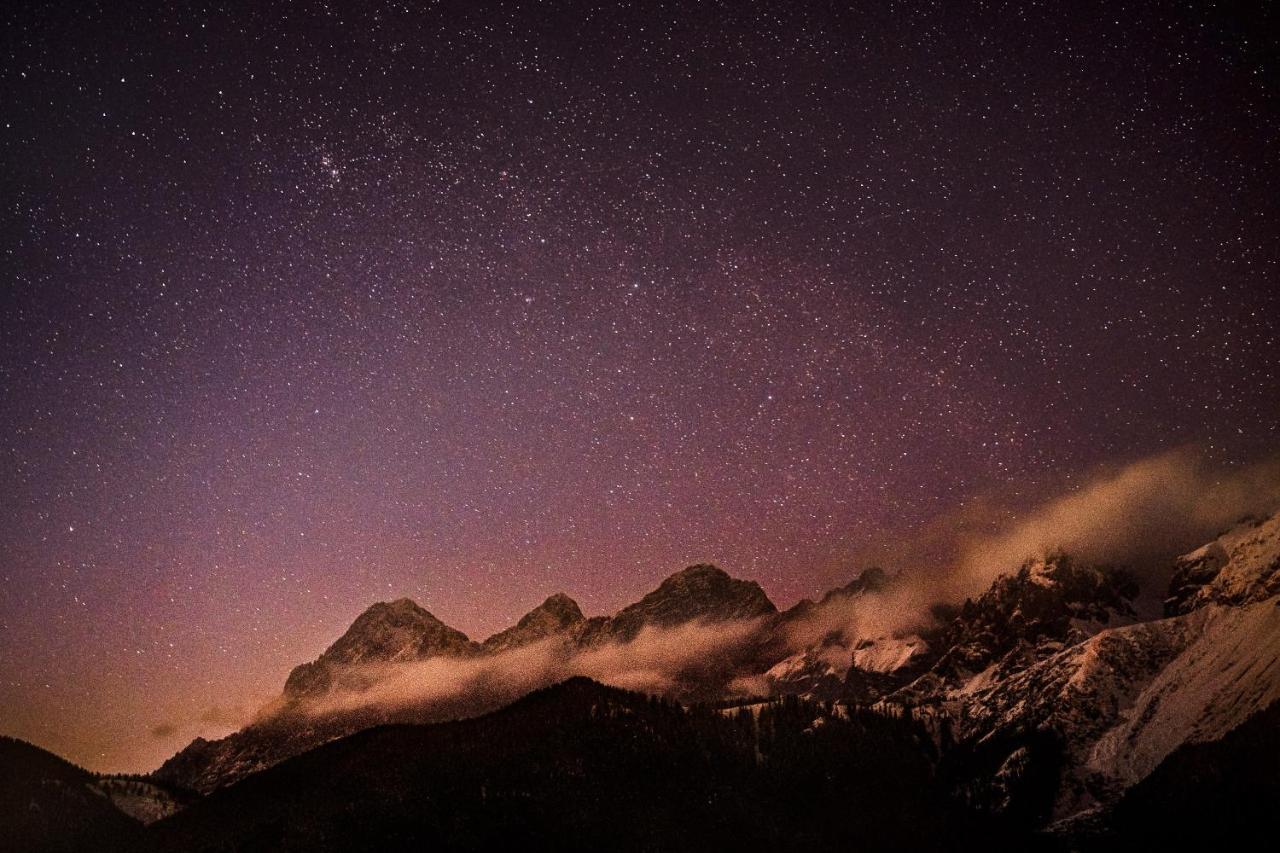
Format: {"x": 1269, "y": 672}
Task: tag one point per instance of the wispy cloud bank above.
{"x": 657, "y": 660}
{"x": 1140, "y": 515}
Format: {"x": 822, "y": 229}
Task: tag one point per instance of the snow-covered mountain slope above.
{"x": 1047, "y": 605}
{"x": 1240, "y": 566}
{"x": 889, "y": 654}
{"x": 1125, "y": 698}
{"x": 833, "y": 651}
{"x": 862, "y": 670}
{"x": 815, "y": 672}
{"x": 1103, "y": 711}
{"x": 1229, "y": 670}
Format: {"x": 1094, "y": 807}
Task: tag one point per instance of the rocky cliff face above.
{"x": 843, "y": 661}
{"x": 698, "y": 593}
{"x": 1119, "y": 702}
{"x": 1044, "y": 686}
{"x": 1047, "y": 605}
{"x": 559, "y": 615}
{"x": 385, "y": 633}
{"x": 1241, "y": 566}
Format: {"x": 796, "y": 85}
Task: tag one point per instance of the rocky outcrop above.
{"x": 1048, "y": 697}
{"x": 1241, "y": 566}
{"x": 699, "y": 593}
{"x": 836, "y": 659}
{"x": 1047, "y": 605}
{"x": 387, "y": 632}
{"x": 558, "y": 615}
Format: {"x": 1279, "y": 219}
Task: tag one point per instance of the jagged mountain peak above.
{"x": 701, "y": 592}
{"x": 404, "y": 603}
{"x": 870, "y": 580}
{"x": 1240, "y": 566}
{"x": 389, "y": 629}
{"x": 385, "y": 632}
{"x": 401, "y": 611}
{"x": 561, "y": 603}
{"x": 698, "y": 573}
{"x": 1088, "y": 588}
{"x": 556, "y": 615}
{"x": 710, "y": 579}
{"x": 1050, "y": 602}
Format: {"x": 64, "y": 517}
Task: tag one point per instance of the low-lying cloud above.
{"x": 901, "y": 606}
{"x": 1141, "y": 516}
{"x": 217, "y": 716}
{"x": 657, "y": 660}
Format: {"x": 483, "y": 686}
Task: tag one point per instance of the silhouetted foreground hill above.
{"x": 580, "y": 766}
{"x": 48, "y": 804}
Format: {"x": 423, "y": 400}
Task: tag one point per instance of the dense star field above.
{"x": 312, "y": 307}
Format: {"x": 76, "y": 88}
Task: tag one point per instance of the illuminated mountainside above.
{"x": 1047, "y": 695}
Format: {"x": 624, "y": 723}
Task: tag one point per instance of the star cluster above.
{"x": 311, "y": 306}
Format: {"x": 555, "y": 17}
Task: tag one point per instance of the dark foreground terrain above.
{"x": 581, "y": 766}
{"x": 577, "y": 766}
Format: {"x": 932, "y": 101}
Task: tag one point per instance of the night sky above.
{"x": 303, "y": 309}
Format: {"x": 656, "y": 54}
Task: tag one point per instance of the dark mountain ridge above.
{"x": 1047, "y": 695}
{"x": 581, "y": 766}
{"x": 401, "y": 632}
{"x": 49, "y": 805}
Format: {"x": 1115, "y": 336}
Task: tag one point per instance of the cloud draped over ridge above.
{"x": 1139, "y": 515}
{"x": 900, "y": 606}
{"x": 216, "y": 716}
{"x": 655, "y": 661}
{"x": 1142, "y": 514}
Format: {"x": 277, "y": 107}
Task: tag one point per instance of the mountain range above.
{"x": 1049, "y": 709}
